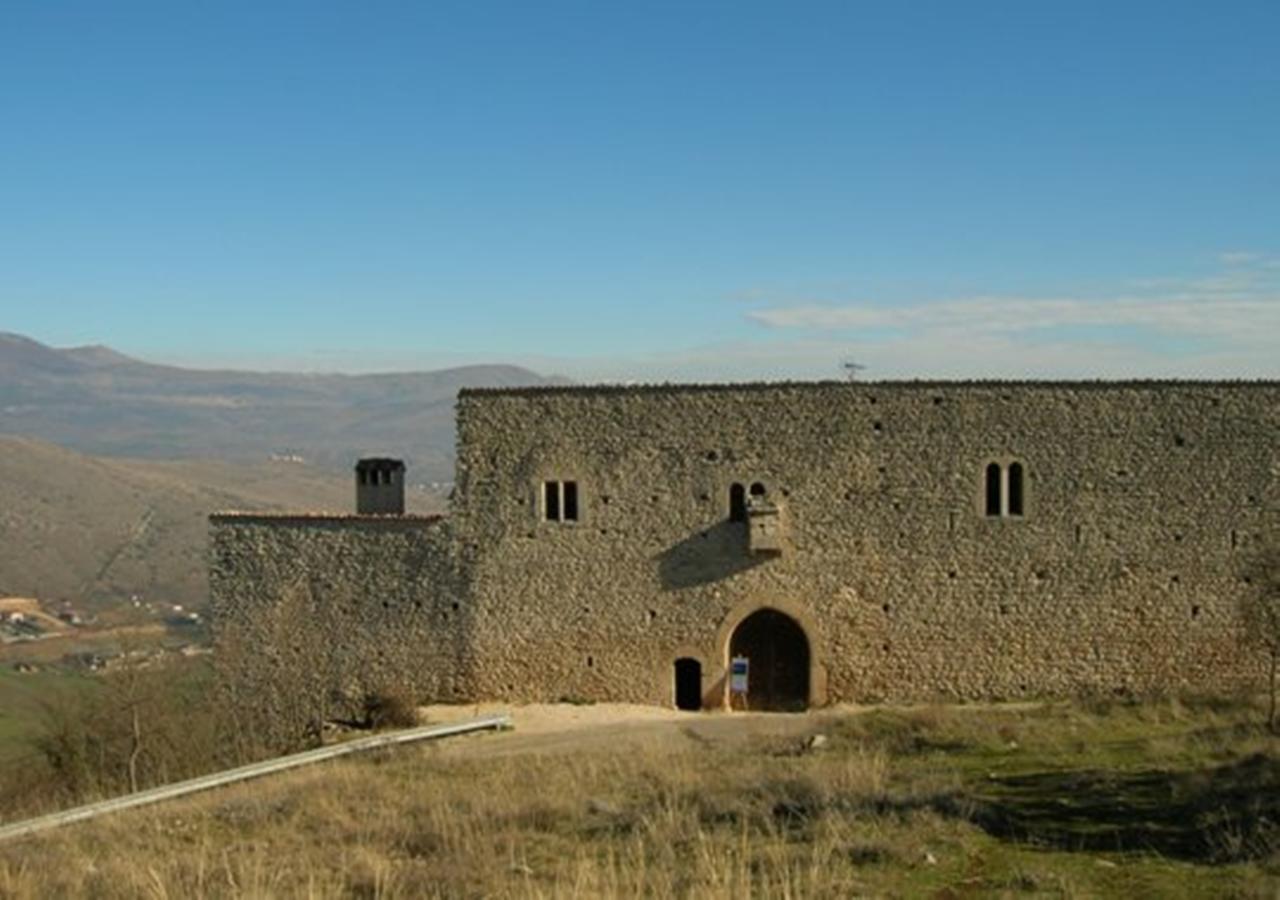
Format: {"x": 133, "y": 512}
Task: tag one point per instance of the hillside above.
{"x": 94, "y": 530}
{"x": 97, "y": 401}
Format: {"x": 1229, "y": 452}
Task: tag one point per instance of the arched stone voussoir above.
{"x": 797, "y": 612}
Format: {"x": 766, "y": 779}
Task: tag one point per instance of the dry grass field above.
{"x": 1160, "y": 799}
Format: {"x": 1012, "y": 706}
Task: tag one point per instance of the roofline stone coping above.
{"x": 675, "y": 387}
{"x": 320, "y": 517}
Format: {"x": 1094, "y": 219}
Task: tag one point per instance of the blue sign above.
{"x": 738, "y": 669}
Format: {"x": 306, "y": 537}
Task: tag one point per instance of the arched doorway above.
{"x": 779, "y": 660}
{"x": 688, "y": 684}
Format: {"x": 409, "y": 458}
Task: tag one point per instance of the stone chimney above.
{"x": 380, "y": 487}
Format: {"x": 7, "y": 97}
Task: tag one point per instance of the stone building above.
{"x": 853, "y": 541}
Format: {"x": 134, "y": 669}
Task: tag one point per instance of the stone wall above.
{"x": 1142, "y": 503}
{"x": 314, "y": 614}
{"x": 1122, "y": 575}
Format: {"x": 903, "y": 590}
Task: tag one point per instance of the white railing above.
{"x": 244, "y": 773}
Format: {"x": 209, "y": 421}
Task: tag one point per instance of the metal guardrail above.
{"x": 244, "y": 773}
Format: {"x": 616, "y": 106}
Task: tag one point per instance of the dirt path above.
{"x": 566, "y": 728}
{"x": 563, "y": 728}
{"x": 135, "y": 535}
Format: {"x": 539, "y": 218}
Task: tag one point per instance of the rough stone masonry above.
{"x": 854, "y": 541}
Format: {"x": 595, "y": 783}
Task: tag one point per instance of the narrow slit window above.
{"x": 1015, "y": 489}
{"x": 551, "y": 501}
{"x": 570, "y": 501}
{"x": 993, "y": 489}
{"x": 737, "y": 503}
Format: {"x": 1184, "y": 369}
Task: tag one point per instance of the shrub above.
{"x": 392, "y": 708}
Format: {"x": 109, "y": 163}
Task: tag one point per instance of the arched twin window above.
{"x": 1004, "y": 492}
{"x": 560, "y": 501}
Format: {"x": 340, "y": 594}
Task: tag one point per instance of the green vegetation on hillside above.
{"x": 26, "y": 700}
{"x": 68, "y": 738}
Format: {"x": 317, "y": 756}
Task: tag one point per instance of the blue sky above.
{"x": 651, "y": 190}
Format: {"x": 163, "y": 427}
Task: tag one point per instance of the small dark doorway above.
{"x": 688, "y": 684}
{"x": 779, "y": 661}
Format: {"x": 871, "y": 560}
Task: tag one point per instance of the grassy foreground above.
{"x": 1161, "y": 799}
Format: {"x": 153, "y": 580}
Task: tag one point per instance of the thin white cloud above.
{"x": 936, "y": 353}
{"x": 1223, "y": 325}
{"x": 929, "y": 355}
{"x": 1246, "y": 319}
{"x": 1239, "y": 257}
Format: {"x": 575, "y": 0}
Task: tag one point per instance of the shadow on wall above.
{"x": 713, "y": 694}
{"x": 706, "y": 556}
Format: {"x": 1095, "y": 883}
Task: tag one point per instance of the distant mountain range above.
{"x": 98, "y": 401}
{"x": 171, "y": 445}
